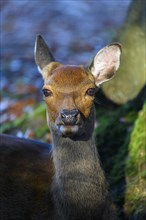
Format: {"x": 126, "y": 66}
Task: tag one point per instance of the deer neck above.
{"x": 75, "y": 160}
{"x": 76, "y": 157}
{"x": 79, "y": 181}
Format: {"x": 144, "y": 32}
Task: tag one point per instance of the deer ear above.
{"x": 106, "y": 63}
{"x": 42, "y": 53}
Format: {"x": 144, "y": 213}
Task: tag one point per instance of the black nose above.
{"x": 69, "y": 117}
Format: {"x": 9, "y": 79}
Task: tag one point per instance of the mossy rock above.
{"x": 135, "y": 196}
{"x": 130, "y": 78}
{"x": 113, "y": 132}
{"x": 112, "y": 135}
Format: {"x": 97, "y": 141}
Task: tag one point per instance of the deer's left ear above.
{"x": 106, "y": 63}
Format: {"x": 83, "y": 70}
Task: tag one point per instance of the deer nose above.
{"x": 69, "y": 117}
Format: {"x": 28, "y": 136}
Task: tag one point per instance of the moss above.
{"x": 136, "y": 168}
{"x": 113, "y": 128}
{"x": 113, "y": 135}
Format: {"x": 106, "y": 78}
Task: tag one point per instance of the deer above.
{"x": 64, "y": 180}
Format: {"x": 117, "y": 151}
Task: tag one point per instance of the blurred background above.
{"x": 75, "y": 31}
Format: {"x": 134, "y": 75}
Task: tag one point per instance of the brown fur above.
{"x": 68, "y": 85}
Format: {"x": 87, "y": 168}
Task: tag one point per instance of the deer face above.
{"x": 69, "y": 90}
{"x": 69, "y": 94}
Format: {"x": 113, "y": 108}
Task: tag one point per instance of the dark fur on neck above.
{"x": 79, "y": 188}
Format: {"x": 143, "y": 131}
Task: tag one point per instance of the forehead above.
{"x": 70, "y": 78}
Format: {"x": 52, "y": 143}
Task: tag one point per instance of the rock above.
{"x": 130, "y": 78}
{"x": 135, "y": 195}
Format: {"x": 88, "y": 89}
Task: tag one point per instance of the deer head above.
{"x": 69, "y": 90}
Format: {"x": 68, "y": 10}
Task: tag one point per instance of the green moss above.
{"x": 136, "y": 167}
{"x": 113, "y": 135}
{"x": 112, "y": 131}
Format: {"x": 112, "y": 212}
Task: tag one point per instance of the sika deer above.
{"x": 67, "y": 183}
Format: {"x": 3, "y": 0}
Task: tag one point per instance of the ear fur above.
{"x": 48, "y": 70}
{"x": 44, "y": 58}
{"x": 106, "y": 63}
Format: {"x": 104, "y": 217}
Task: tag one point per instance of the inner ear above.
{"x": 106, "y": 63}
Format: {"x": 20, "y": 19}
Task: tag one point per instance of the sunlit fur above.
{"x": 68, "y": 85}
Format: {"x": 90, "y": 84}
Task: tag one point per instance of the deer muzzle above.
{"x": 69, "y": 122}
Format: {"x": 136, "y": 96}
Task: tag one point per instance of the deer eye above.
{"x": 91, "y": 92}
{"x": 47, "y": 92}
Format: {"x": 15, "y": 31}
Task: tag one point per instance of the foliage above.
{"x": 32, "y": 125}
{"x": 113, "y": 134}
{"x": 135, "y": 195}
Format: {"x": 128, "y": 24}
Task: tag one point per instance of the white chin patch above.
{"x": 68, "y": 130}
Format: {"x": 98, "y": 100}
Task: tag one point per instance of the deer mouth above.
{"x": 68, "y": 130}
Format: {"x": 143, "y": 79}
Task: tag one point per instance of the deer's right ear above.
{"x": 43, "y": 56}
{"x": 42, "y": 53}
